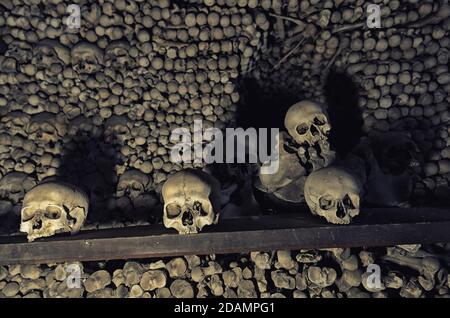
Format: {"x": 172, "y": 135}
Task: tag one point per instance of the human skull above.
{"x": 116, "y": 128}
{"x": 80, "y": 125}
{"x": 116, "y": 53}
{"x": 307, "y": 122}
{"x": 45, "y": 127}
{"x": 53, "y": 207}
{"x": 132, "y": 183}
{"x": 8, "y": 64}
{"x": 15, "y": 123}
{"x": 14, "y": 185}
{"x": 21, "y": 51}
{"x": 86, "y": 58}
{"x": 48, "y": 52}
{"x": 333, "y": 193}
{"x": 191, "y": 201}
{"x": 289, "y": 167}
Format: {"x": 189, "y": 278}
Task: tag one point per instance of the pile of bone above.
{"x": 401, "y": 69}
{"x": 303, "y": 148}
{"x": 97, "y": 104}
{"x": 378, "y": 171}
{"x": 402, "y": 271}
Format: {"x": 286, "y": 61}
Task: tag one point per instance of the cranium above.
{"x": 15, "y": 123}
{"x": 80, "y": 125}
{"x": 21, "y": 51}
{"x": 117, "y": 53}
{"x": 45, "y": 127}
{"x": 333, "y": 193}
{"x": 132, "y": 183}
{"x": 48, "y": 52}
{"x": 86, "y": 58}
{"x": 116, "y": 128}
{"x": 14, "y": 185}
{"x": 8, "y": 64}
{"x": 53, "y": 207}
{"x": 307, "y": 122}
{"x": 284, "y": 180}
{"x": 191, "y": 201}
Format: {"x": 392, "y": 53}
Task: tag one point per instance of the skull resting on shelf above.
{"x": 191, "y": 201}
{"x": 53, "y": 207}
{"x": 334, "y": 193}
{"x": 307, "y": 122}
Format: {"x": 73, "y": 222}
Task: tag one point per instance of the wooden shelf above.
{"x": 375, "y": 227}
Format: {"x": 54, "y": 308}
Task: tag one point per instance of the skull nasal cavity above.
{"x": 314, "y": 131}
{"x": 37, "y": 224}
{"x": 187, "y": 218}
{"x": 340, "y": 213}
{"x": 173, "y": 210}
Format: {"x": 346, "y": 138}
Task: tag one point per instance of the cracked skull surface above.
{"x": 307, "y": 122}
{"x": 191, "y": 201}
{"x": 86, "y": 57}
{"x": 333, "y": 193}
{"x": 53, "y": 207}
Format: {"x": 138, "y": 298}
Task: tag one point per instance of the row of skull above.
{"x": 308, "y": 171}
{"x": 192, "y": 197}
{"x": 379, "y": 170}
{"x": 85, "y": 57}
{"x": 48, "y": 127}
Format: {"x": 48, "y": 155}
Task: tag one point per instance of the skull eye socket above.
{"x": 199, "y": 208}
{"x": 52, "y": 212}
{"x": 27, "y": 214}
{"x": 320, "y": 120}
{"x": 302, "y": 129}
{"x": 326, "y": 202}
{"x": 173, "y": 210}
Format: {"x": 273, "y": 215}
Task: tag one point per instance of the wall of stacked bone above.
{"x": 74, "y": 111}
{"x": 408, "y": 271}
{"x": 103, "y": 100}
{"x": 96, "y": 105}
{"x": 400, "y": 70}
